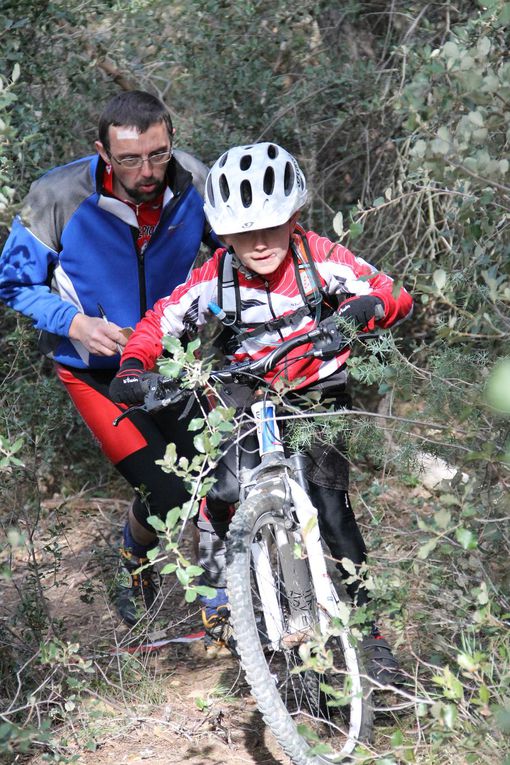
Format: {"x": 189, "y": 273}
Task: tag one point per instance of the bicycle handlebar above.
{"x": 161, "y": 391}
{"x": 327, "y": 340}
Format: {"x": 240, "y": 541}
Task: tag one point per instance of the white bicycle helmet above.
{"x": 253, "y": 187}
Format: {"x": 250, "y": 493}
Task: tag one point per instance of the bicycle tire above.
{"x": 267, "y": 671}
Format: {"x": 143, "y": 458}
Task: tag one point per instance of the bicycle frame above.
{"x": 270, "y": 443}
{"x": 295, "y": 568}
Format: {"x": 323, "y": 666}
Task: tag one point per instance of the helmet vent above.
{"x": 210, "y": 191}
{"x": 224, "y": 189}
{"x": 246, "y": 193}
{"x": 268, "y": 181}
{"x": 272, "y": 151}
{"x": 245, "y": 162}
{"x": 223, "y": 159}
{"x": 288, "y": 179}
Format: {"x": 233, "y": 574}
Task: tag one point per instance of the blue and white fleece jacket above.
{"x": 73, "y": 247}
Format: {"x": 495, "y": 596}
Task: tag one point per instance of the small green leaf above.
{"x": 467, "y": 662}
{"x": 172, "y": 517}
{"x": 170, "y": 368}
{"x": 451, "y": 50}
{"x": 427, "y": 548}
{"x": 476, "y": 118}
{"x": 206, "y": 592}
{"x": 310, "y": 525}
{"x": 200, "y": 443}
{"x": 498, "y": 387}
{"x": 194, "y": 570}
{"x": 216, "y": 438}
{"x": 156, "y": 523}
{"x": 355, "y": 230}
{"x": 482, "y": 594}
{"x": 483, "y": 47}
{"x": 153, "y": 554}
{"x": 349, "y": 566}
{"x": 338, "y": 225}
{"x": 344, "y": 613}
{"x": 182, "y": 577}
{"x": 450, "y": 715}
{"x": 193, "y": 345}
{"x": 397, "y": 739}
{"x": 443, "y": 518}
{"x": 466, "y": 538}
{"x": 439, "y": 277}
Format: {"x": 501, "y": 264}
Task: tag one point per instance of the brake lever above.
{"x": 154, "y": 399}
{"x": 330, "y": 340}
{"x": 139, "y": 407}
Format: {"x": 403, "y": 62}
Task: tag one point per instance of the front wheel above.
{"x": 308, "y": 687}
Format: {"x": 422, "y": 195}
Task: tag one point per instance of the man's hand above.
{"x": 98, "y": 336}
{"x": 126, "y": 386}
{"x": 362, "y": 311}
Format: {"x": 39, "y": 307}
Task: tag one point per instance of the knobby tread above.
{"x": 252, "y": 657}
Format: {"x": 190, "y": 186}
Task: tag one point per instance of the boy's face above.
{"x": 264, "y": 250}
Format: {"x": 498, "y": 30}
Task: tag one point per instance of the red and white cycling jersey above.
{"x": 265, "y": 298}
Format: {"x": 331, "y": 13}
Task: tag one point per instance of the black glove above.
{"x": 362, "y": 311}
{"x": 126, "y": 386}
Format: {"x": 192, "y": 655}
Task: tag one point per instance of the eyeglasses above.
{"x": 133, "y": 163}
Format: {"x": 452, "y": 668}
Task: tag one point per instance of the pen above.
{"x": 102, "y": 314}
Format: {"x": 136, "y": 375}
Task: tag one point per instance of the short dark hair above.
{"x": 133, "y": 108}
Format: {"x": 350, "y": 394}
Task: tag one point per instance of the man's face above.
{"x": 141, "y": 184}
{"x": 264, "y": 250}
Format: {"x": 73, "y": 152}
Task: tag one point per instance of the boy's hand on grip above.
{"x": 126, "y": 387}
{"x": 362, "y": 311}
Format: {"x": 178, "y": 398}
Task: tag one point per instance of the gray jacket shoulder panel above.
{"x": 194, "y": 166}
{"x": 53, "y": 199}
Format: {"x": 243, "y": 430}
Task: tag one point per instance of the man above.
{"x": 98, "y": 241}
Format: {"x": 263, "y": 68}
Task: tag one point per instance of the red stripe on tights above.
{"x": 98, "y": 413}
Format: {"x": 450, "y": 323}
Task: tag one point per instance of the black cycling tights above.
{"x": 341, "y": 533}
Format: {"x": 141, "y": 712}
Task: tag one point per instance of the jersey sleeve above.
{"x": 25, "y": 267}
{"x": 346, "y": 274}
{"x": 185, "y": 309}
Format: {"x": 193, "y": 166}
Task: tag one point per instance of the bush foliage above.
{"x": 400, "y": 116}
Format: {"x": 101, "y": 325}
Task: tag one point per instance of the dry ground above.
{"x": 181, "y": 704}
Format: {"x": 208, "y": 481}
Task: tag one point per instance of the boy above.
{"x": 274, "y": 281}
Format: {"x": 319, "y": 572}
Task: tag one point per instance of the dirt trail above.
{"x": 181, "y": 704}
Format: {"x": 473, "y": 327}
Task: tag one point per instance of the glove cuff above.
{"x": 131, "y": 364}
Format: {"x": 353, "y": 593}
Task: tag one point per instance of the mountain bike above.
{"x": 302, "y": 663}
